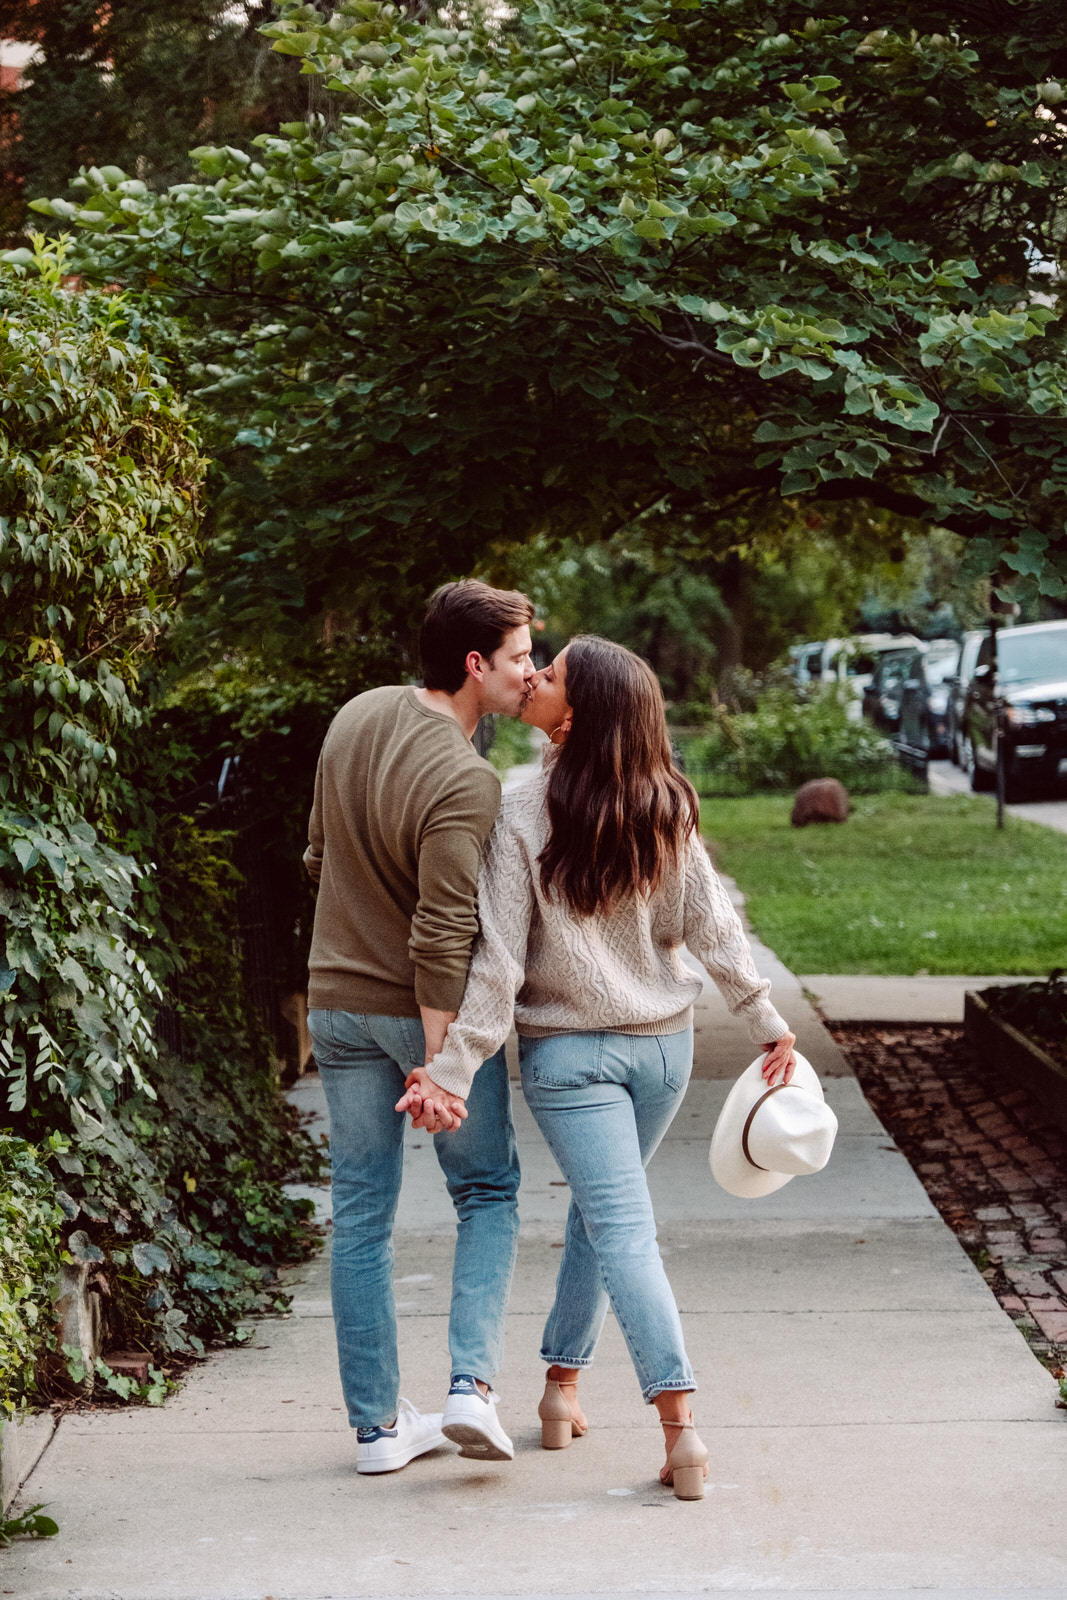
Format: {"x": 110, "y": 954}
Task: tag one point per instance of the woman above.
{"x": 593, "y": 880}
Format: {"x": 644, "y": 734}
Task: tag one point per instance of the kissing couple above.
{"x": 446, "y": 915}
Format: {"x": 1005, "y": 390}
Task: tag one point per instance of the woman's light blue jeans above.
{"x": 363, "y": 1061}
{"x": 603, "y": 1102}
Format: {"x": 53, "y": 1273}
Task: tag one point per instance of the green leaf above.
{"x": 25, "y": 853}
{"x": 82, "y": 1248}
{"x": 295, "y": 44}
{"x": 150, "y": 1259}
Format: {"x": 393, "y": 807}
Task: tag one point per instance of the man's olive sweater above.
{"x": 403, "y": 807}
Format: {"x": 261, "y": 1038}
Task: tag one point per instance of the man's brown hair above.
{"x": 462, "y": 617}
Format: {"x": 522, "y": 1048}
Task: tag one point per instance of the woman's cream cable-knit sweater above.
{"x": 622, "y": 972}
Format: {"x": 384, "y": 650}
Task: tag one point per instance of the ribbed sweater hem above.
{"x": 675, "y": 1024}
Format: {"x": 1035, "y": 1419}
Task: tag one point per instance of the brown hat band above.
{"x": 748, "y": 1124}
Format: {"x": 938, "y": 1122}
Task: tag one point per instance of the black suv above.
{"x": 1016, "y": 708}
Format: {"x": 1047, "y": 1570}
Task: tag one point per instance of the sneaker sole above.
{"x": 476, "y": 1445}
{"x": 369, "y": 1469}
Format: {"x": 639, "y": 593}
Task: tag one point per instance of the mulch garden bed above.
{"x": 991, "y": 1160}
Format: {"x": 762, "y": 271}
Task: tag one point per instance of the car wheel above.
{"x": 981, "y": 781}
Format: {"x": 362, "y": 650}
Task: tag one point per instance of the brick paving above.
{"x": 989, "y": 1157}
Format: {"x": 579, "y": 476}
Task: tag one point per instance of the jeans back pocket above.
{"x": 562, "y": 1060}
{"x": 677, "y": 1052}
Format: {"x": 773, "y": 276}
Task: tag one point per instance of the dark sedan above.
{"x": 882, "y": 696}
{"x": 1016, "y": 709}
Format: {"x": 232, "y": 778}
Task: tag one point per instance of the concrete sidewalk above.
{"x": 876, "y": 1424}
{"x": 846, "y": 997}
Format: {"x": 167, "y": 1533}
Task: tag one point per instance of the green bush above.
{"x": 166, "y": 1168}
{"x": 511, "y": 746}
{"x": 30, "y": 1254}
{"x": 99, "y": 472}
{"x": 786, "y": 741}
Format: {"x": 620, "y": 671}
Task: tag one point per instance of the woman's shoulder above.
{"x": 522, "y": 805}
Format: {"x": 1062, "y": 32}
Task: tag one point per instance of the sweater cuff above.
{"x": 764, "y": 1024}
{"x": 454, "y": 1078}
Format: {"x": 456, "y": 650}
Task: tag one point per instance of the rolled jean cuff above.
{"x": 649, "y": 1393}
{"x": 566, "y": 1361}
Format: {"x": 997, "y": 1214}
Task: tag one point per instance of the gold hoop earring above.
{"x": 552, "y": 736}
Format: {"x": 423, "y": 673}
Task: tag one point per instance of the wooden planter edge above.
{"x": 1009, "y": 1052}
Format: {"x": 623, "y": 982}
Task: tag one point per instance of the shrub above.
{"x": 165, "y": 1168}
{"x": 786, "y": 741}
{"x": 30, "y": 1250}
{"x": 511, "y": 746}
{"x": 98, "y": 478}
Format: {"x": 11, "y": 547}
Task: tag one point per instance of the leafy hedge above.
{"x": 161, "y": 1169}
{"x": 30, "y": 1217}
{"x": 788, "y": 740}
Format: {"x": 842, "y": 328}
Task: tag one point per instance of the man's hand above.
{"x": 430, "y": 1106}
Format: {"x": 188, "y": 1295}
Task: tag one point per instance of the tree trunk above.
{"x": 735, "y": 583}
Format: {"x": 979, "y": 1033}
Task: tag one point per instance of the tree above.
{"x": 138, "y": 85}
{"x": 614, "y": 259}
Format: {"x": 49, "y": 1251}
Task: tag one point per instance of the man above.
{"x": 402, "y": 809}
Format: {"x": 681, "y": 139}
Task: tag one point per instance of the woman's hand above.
{"x": 780, "y": 1062}
{"x": 428, "y": 1105}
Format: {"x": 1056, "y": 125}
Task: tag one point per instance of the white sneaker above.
{"x": 470, "y": 1420}
{"x": 388, "y": 1449}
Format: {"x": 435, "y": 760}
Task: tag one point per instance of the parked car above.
{"x": 925, "y": 697}
{"x": 850, "y": 660}
{"x": 957, "y": 692}
{"x": 806, "y": 662}
{"x": 884, "y": 691}
{"x": 1015, "y": 713}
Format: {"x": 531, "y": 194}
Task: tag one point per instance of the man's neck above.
{"x": 463, "y": 707}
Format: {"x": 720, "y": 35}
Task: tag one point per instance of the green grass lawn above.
{"x": 909, "y": 884}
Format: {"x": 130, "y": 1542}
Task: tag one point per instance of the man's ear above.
{"x": 475, "y": 665}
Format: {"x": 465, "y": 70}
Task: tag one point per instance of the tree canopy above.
{"x": 602, "y": 262}
{"x": 138, "y": 85}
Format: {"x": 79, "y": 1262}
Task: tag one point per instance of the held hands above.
{"x": 780, "y": 1063}
{"x": 430, "y": 1106}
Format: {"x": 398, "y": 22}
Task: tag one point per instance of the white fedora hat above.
{"x": 765, "y": 1136}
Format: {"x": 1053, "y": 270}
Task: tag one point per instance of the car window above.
{"x": 1027, "y": 657}
{"x": 895, "y": 669}
{"x": 941, "y": 667}
{"x": 985, "y": 653}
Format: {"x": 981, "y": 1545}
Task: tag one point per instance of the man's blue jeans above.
{"x": 363, "y": 1061}
{"x": 603, "y": 1102}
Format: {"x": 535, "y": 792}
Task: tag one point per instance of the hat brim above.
{"x": 726, "y": 1157}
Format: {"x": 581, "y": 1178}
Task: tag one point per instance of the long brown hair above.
{"x": 619, "y": 810}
